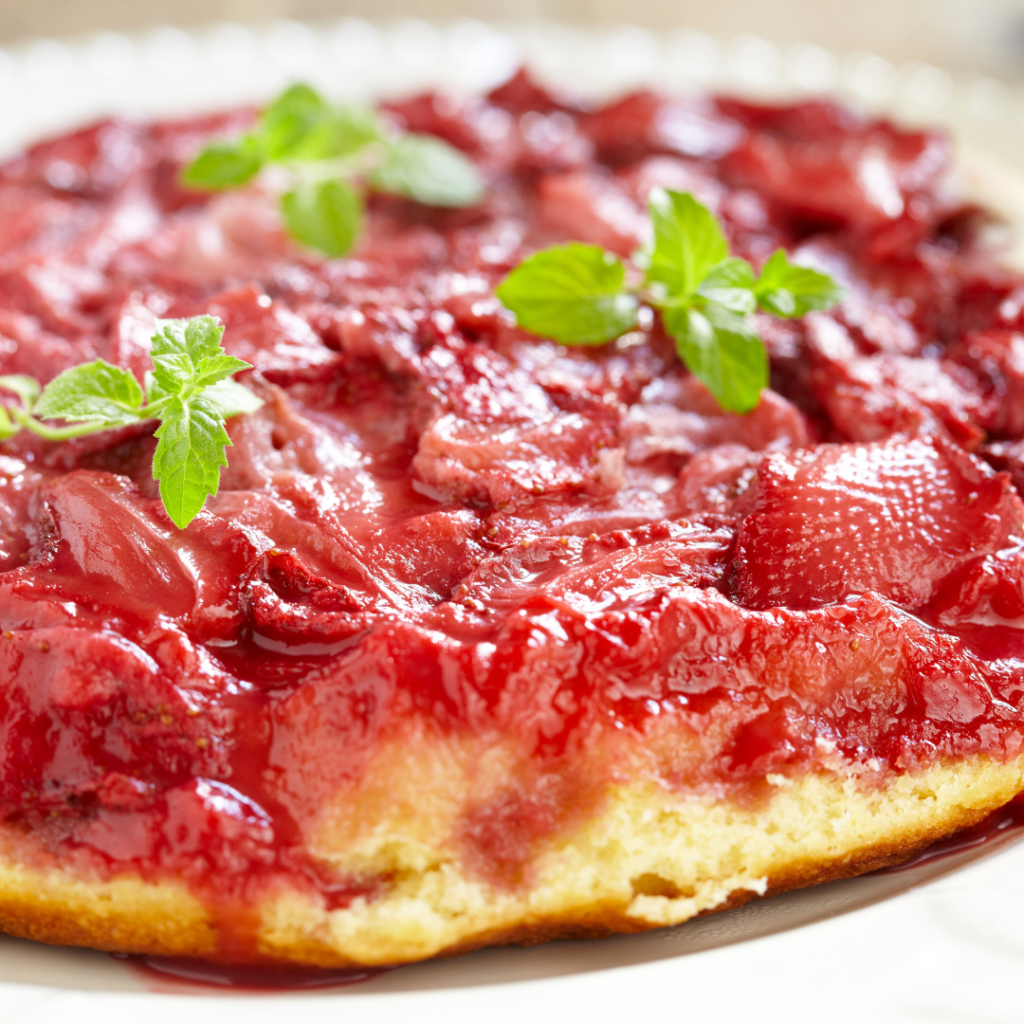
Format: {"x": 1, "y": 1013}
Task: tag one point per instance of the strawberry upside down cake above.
{"x": 484, "y": 637}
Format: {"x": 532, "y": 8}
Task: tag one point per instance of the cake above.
{"x": 484, "y": 638}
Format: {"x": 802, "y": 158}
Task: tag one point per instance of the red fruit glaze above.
{"x": 440, "y": 523}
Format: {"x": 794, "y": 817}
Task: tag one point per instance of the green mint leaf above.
{"x": 153, "y": 391}
{"x": 730, "y": 284}
{"x": 572, "y": 293}
{"x": 189, "y": 455}
{"x": 179, "y": 345}
{"x": 340, "y": 132}
{"x": 325, "y": 215}
{"x": 26, "y": 388}
{"x": 190, "y": 392}
{"x": 688, "y": 243}
{"x": 300, "y": 125}
{"x": 289, "y": 119}
{"x": 216, "y": 368}
{"x": 188, "y": 354}
{"x": 723, "y": 352}
{"x": 787, "y": 289}
{"x": 224, "y": 165}
{"x": 425, "y": 169}
{"x": 298, "y": 98}
{"x": 230, "y": 398}
{"x": 96, "y": 392}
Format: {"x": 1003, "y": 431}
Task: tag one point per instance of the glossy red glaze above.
{"x": 179, "y": 975}
{"x": 437, "y": 518}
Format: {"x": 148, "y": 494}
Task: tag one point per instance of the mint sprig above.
{"x": 330, "y": 157}
{"x": 582, "y": 295}
{"x": 189, "y": 390}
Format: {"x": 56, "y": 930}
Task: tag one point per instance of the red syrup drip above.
{"x": 1005, "y": 823}
{"x": 179, "y": 975}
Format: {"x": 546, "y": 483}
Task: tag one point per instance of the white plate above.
{"x": 876, "y": 948}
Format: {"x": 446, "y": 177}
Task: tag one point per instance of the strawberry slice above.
{"x": 895, "y": 518}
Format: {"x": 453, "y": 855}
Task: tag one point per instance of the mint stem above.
{"x": 54, "y": 433}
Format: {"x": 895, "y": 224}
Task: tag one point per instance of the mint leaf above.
{"x": 572, "y": 293}
{"x": 218, "y": 368}
{"x": 224, "y": 165}
{"x": 688, "y": 243}
{"x": 340, "y": 132}
{"x": 188, "y": 354}
{"x": 189, "y": 456}
{"x": 177, "y": 347}
{"x": 95, "y": 392}
{"x": 430, "y": 171}
{"x": 289, "y": 119}
{"x": 301, "y": 126}
{"x": 325, "y": 215}
{"x": 26, "y": 388}
{"x": 298, "y": 98}
{"x": 190, "y": 393}
{"x": 723, "y": 352}
{"x": 730, "y": 284}
{"x": 787, "y": 289}
{"x": 230, "y": 398}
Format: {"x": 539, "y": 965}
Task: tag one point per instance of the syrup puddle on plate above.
{"x": 181, "y": 975}
{"x": 185, "y": 976}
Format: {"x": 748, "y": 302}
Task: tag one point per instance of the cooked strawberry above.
{"x": 591, "y": 207}
{"x": 644, "y": 123}
{"x": 998, "y": 355}
{"x": 79, "y": 704}
{"x": 871, "y": 397}
{"x": 104, "y": 544}
{"x": 819, "y": 162}
{"x": 894, "y": 518}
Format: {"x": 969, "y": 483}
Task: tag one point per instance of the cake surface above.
{"x": 485, "y": 638}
